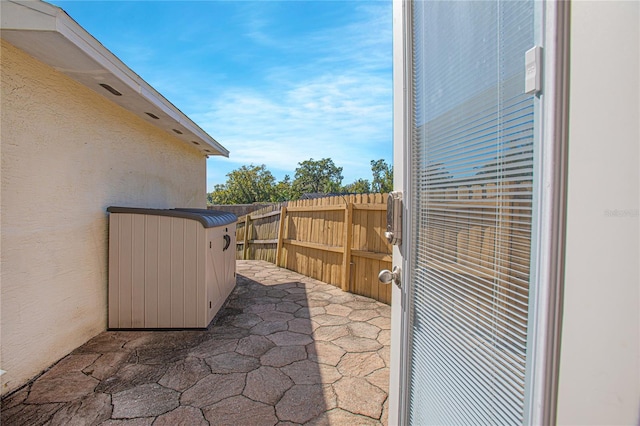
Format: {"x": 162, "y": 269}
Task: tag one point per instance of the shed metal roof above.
{"x": 48, "y": 34}
{"x": 208, "y": 218}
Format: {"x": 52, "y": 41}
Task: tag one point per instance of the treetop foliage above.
{"x": 382, "y": 176}
{"x": 321, "y": 176}
{"x": 254, "y": 184}
{"x": 246, "y": 185}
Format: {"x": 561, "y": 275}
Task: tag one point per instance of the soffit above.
{"x": 48, "y": 34}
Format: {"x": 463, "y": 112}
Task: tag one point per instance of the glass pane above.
{"x": 472, "y": 171}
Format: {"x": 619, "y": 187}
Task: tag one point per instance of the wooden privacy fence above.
{"x": 257, "y": 234}
{"x": 339, "y": 240}
{"x": 480, "y": 235}
{"x": 479, "y": 238}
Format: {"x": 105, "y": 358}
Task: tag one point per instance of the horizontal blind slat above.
{"x": 472, "y": 161}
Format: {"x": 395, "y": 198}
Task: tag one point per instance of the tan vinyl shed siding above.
{"x": 167, "y": 272}
{"x": 67, "y": 154}
{"x": 156, "y": 272}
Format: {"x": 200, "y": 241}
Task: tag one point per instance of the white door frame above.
{"x": 545, "y": 318}
{"x": 399, "y": 334}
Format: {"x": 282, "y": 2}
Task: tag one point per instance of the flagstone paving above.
{"x": 285, "y": 350}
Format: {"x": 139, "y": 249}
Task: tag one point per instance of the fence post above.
{"x": 245, "y": 247}
{"x": 239, "y": 240}
{"x": 283, "y": 214}
{"x": 348, "y": 235}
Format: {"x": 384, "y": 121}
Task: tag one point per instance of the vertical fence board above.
{"x": 348, "y": 233}
{"x": 316, "y": 238}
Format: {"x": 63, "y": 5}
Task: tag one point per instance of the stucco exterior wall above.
{"x": 67, "y": 154}
{"x": 599, "y": 378}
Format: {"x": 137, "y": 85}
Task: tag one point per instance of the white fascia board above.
{"x": 35, "y": 15}
{"x": 27, "y": 15}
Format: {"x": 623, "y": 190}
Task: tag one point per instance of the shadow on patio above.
{"x": 286, "y": 349}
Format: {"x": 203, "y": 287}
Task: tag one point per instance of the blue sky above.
{"x": 275, "y": 82}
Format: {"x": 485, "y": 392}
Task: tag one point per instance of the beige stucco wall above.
{"x": 599, "y": 381}
{"x": 67, "y": 154}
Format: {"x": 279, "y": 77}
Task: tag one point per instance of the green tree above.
{"x": 317, "y": 176}
{"x": 246, "y": 185}
{"x": 218, "y": 196}
{"x": 283, "y": 190}
{"x": 382, "y": 176}
{"x": 360, "y": 186}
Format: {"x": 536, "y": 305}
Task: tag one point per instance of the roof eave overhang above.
{"x": 48, "y": 34}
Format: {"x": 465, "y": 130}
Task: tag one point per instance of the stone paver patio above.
{"x": 285, "y": 350}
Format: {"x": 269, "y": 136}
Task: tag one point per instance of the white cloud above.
{"x": 347, "y": 118}
{"x": 338, "y": 105}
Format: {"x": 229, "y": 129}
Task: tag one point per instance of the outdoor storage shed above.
{"x": 169, "y": 268}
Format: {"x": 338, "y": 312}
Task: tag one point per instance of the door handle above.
{"x": 387, "y": 277}
{"x": 394, "y": 218}
{"x": 227, "y": 242}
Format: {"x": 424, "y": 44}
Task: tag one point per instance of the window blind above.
{"x": 472, "y": 153}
